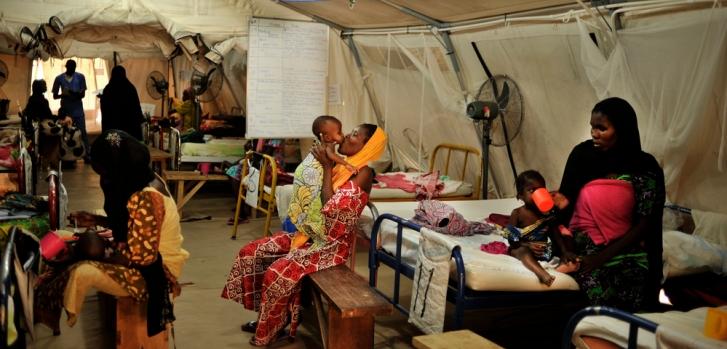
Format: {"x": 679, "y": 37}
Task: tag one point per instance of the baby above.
{"x": 327, "y": 130}
{"x": 304, "y": 211}
{"x": 528, "y": 224}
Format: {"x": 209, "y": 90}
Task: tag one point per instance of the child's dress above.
{"x": 536, "y": 232}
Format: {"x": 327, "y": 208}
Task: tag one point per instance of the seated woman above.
{"x": 147, "y": 257}
{"x": 267, "y": 272}
{"x": 616, "y": 196}
{"x": 38, "y": 110}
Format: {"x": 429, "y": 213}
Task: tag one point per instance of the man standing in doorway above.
{"x": 70, "y": 87}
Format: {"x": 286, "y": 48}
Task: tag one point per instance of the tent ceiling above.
{"x": 378, "y": 14}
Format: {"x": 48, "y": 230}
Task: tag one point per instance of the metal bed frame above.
{"x": 457, "y": 293}
{"x": 635, "y": 322}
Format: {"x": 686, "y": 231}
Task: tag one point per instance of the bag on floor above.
{"x": 71, "y": 145}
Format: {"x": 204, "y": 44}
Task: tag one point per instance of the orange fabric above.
{"x": 370, "y": 152}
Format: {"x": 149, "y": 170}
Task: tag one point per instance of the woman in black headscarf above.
{"x": 147, "y": 255}
{"x": 120, "y": 106}
{"x": 616, "y": 194}
{"x": 38, "y": 110}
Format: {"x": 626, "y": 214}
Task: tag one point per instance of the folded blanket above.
{"x": 604, "y": 210}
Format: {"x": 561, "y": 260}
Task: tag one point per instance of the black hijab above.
{"x": 120, "y": 106}
{"x": 123, "y": 164}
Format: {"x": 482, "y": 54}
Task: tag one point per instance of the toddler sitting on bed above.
{"x": 304, "y": 212}
{"x": 529, "y": 225}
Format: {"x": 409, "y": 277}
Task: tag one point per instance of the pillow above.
{"x": 711, "y": 226}
{"x": 688, "y": 254}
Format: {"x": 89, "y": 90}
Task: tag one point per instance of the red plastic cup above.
{"x": 51, "y": 245}
{"x": 204, "y": 168}
{"x": 543, "y": 200}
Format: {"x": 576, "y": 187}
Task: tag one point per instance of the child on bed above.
{"x": 304, "y": 212}
{"x": 529, "y": 225}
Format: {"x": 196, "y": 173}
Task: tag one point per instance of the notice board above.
{"x": 287, "y": 70}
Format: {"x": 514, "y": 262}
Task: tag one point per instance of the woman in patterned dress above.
{"x": 618, "y": 241}
{"x": 266, "y": 274}
{"x": 147, "y": 255}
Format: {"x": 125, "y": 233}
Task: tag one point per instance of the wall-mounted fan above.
{"x": 41, "y": 43}
{"x": 157, "y": 87}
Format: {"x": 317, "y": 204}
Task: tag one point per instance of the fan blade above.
{"x": 504, "y": 97}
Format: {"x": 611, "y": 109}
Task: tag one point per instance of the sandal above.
{"x": 282, "y": 336}
{"x": 249, "y": 327}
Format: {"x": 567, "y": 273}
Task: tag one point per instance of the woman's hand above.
{"x": 319, "y": 152}
{"x": 83, "y": 219}
{"x": 559, "y": 199}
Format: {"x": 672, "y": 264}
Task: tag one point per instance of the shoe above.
{"x": 249, "y": 327}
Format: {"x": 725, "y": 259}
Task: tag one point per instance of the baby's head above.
{"x": 328, "y": 129}
{"x": 90, "y": 246}
{"x": 526, "y": 183}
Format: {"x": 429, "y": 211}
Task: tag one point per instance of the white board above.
{"x": 286, "y": 77}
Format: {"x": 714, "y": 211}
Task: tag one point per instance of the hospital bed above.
{"x": 478, "y": 280}
{"x": 672, "y": 329}
{"x": 213, "y": 151}
{"x": 456, "y": 186}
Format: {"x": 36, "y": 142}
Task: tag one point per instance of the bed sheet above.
{"x": 483, "y": 271}
{"x": 676, "y": 330}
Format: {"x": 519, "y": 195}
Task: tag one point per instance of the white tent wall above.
{"x": 672, "y": 68}
{"x": 415, "y": 94}
{"x": 137, "y": 71}
{"x": 17, "y": 87}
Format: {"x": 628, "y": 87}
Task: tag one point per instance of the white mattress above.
{"x": 676, "y": 330}
{"x": 483, "y": 271}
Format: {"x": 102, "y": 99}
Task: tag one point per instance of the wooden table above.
{"x": 189, "y": 176}
{"x": 159, "y": 156}
{"x": 453, "y": 339}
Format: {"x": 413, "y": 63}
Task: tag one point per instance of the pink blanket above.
{"x": 604, "y": 210}
{"x": 395, "y": 181}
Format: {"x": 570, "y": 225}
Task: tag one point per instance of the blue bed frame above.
{"x": 457, "y": 293}
{"x": 635, "y": 322}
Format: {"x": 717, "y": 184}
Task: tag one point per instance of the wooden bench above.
{"x": 352, "y": 305}
{"x": 131, "y": 327}
{"x": 193, "y": 176}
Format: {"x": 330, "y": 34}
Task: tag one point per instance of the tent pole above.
{"x": 442, "y": 30}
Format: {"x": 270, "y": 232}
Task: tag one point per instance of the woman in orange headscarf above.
{"x": 267, "y": 272}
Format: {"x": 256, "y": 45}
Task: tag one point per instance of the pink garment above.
{"x": 444, "y": 219}
{"x": 428, "y": 185}
{"x": 495, "y": 247}
{"x": 395, "y": 180}
{"x": 604, "y": 210}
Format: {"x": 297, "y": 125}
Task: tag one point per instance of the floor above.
{"x": 204, "y": 320}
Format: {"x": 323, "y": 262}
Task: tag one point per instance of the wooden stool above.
{"x": 352, "y": 305}
{"x": 453, "y": 339}
{"x": 182, "y": 176}
{"x": 131, "y": 327}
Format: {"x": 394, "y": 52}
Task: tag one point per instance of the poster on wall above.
{"x": 286, "y": 77}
